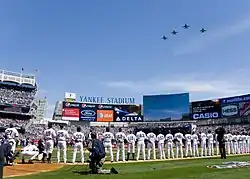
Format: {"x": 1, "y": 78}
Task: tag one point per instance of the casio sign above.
{"x": 88, "y": 113}
{"x": 229, "y": 110}
{"x": 213, "y": 115}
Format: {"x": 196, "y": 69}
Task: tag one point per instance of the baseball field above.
{"x": 171, "y": 169}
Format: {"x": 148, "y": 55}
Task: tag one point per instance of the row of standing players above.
{"x": 235, "y": 144}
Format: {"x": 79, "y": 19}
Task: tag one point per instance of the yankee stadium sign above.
{"x": 107, "y": 100}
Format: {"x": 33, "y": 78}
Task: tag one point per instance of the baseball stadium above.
{"x": 194, "y": 139}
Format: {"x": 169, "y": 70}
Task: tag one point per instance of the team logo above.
{"x": 88, "y": 113}
{"x": 229, "y": 110}
{"x": 100, "y": 115}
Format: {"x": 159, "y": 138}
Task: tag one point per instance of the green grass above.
{"x": 180, "y": 169}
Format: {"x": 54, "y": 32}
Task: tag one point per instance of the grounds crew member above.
{"x": 97, "y": 157}
{"x": 220, "y": 138}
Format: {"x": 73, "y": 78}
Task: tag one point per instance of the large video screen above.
{"x": 165, "y": 107}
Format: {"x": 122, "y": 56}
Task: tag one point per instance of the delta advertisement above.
{"x": 209, "y": 109}
{"x": 165, "y": 107}
{"x": 235, "y": 106}
{"x": 101, "y": 112}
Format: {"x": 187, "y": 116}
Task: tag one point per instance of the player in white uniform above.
{"x": 107, "y": 138}
{"x": 240, "y": 144}
{"x": 151, "y": 144}
{"x": 11, "y": 135}
{"x": 141, "y": 137}
{"x": 244, "y": 143}
{"x": 195, "y": 147}
{"x": 248, "y": 144}
{"x": 169, "y": 141}
{"x": 161, "y": 142}
{"x": 188, "y": 146}
{"x": 49, "y": 137}
{"x": 79, "y": 139}
{"x": 227, "y": 143}
{"x": 210, "y": 143}
{"x": 120, "y": 138}
{"x": 179, "y": 137}
{"x": 131, "y": 145}
{"x": 62, "y": 137}
{"x": 235, "y": 143}
{"x": 31, "y": 151}
{"x": 217, "y": 144}
{"x": 230, "y": 140}
{"x": 203, "y": 137}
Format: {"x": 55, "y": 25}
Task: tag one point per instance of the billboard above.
{"x": 235, "y": 99}
{"x": 127, "y": 113}
{"x": 209, "y": 109}
{"x": 165, "y": 107}
{"x": 244, "y": 108}
{"x": 87, "y": 112}
{"x": 230, "y": 110}
{"x": 71, "y": 111}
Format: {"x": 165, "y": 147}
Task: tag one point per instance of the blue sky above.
{"x": 114, "y": 48}
{"x": 158, "y": 107}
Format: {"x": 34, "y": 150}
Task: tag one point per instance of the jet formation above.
{"x": 185, "y": 26}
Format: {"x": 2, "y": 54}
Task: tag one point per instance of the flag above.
{"x": 22, "y": 69}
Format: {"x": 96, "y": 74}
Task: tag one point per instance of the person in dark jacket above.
{"x": 97, "y": 157}
{"x": 220, "y": 138}
{"x": 8, "y": 154}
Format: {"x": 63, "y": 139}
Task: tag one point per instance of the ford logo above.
{"x": 88, "y": 113}
{"x": 229, "y": 110}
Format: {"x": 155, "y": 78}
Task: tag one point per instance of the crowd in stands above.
{"x": 19, "y": 96}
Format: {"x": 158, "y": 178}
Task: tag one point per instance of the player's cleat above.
{"x": 30, "y": 162}
{"x": 113, "y": 171}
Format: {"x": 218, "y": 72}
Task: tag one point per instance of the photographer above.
{"x": 220, "y": 138}
{"x": 97, "y": 157}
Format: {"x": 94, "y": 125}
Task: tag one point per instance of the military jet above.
{"x": 164, "y": 38}
{"x": 174, "y": 32}
{"x": 186, "y": 26}
{"x": 203, "y": 30}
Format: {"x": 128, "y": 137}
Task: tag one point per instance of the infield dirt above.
{"x": 28, "y": 169}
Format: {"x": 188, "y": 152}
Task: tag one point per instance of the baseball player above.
{"x": 178, "y": 138}
{"x": 49, "y": 136}
{"x": 107, "y": 138}
{"x": 248, "y": 144}
{"x": 131, "y": 145}
{"x": 161, "y": 142}
{"x": 188, "y": 146}
{"x": 120, "y": 137}
{"x": 170, "y": 148}
{"x": 210, "y": 143}
{"x": 151, "y": 144}
{"x": 78, "y": 138}
{"x": 195, "y": 139}
{"x": 11, "y": 135}
{"x": 244, "y": 143}
{"x": 227, "y": 143}
{"x": 203, "y": 138}
{"x": 62, "y": 136}
{"x": 239, "y": 143}
{"x": 141, "y": 137}
{"x": 30, "y": 150}
{"x": 217, "y": 145}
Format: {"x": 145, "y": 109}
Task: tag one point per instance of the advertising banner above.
{"x": 235, "y": 99}
{"x": 244, "y": 108}
{"x": 71, "y": 111}
{"x": 209, "y": 109}
{"x": 165, "y": 107}
{"x": 88, "y": 112}
{"x": 230, "y": 110}
{"x": 127, "y": 113}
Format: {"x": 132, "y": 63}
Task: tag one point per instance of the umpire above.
{"x": 220, "y": 138}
